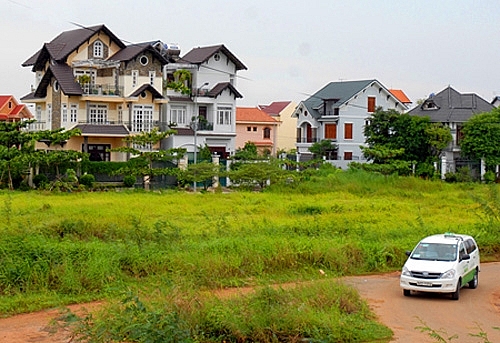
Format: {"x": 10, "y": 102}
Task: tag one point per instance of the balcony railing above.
{"x": 102, "y": 89}
{"x": 307, "y": 139}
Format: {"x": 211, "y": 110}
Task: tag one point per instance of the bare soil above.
{"x": 477, "y": 311}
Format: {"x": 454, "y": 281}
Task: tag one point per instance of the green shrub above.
{"x": 129, "y": 181}
{"x": 40, "y": 179}
{"x": 87, "y": 180}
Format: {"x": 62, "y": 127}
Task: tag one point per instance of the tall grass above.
{"x": 62, "y": 248}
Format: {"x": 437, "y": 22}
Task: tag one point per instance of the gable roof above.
{"x": 400, "y": 95}
{"x": 131, "y": 51}
{"x": 147, "y": 87}
{"x": 10, "y": 109}
{"x": 220, "y": 87}
{"x": 451, "y": 106}
{"x": 68, "y": 41}
{"x": 201, "y": 55}
{"x": 275, "y": 107}
{"x": 253, "y": 114}
{"x": 64, "y": 76}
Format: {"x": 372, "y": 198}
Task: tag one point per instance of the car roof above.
{"x": 446, "y": 238}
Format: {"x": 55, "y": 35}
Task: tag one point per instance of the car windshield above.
{"x": 435, "y": 252}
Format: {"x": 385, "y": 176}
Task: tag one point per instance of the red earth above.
{"x": 477, "y": 311}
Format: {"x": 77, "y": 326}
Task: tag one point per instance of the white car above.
{"x": 441, "y": 263}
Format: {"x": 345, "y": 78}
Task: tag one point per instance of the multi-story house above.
{"x": 452, "y": 109}
{"x": 256, "y": 126}
{"x": 11, "y": 110}
{"x": 339, "y": 112}
{"x": 89, "y": 79}
{"x": 205, "y": 116}
{"x": 282, "y": 111}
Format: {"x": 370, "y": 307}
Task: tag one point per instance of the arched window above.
{"x": 267, "y": 133}
{"x": 98, "y": 49}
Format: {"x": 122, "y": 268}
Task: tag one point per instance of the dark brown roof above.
{"x": 275, "y": 108}
{"x": 149, "y": 88}
{"x": 65, "y": 43}
{"x": 112, "y": 130}
{"x": 220, "y": 87}
{"x": 184, "y": 131}
{"x": 64, "y": 76}
{"x": 201, "y": 55}
{"x": 179, "y": 99}
{"x": 132, "y": 51}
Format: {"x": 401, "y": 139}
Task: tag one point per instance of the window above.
{"x": 64, "y": 113}
{"x": 120, "y": 114}
{"x": 348, "y": 155}
{"x": 267, "y": 133}
{"x": 249, "y": 128}
{"x": 152, "y": 76}
{"x": 336, "y": 111}
{"x": 224, "y": 114}
{"x": 371, "y": 104}
{"x": 55, "y": 86}
{"x": 38, "y": 114}
{"x": 49, "y": 115}
{"x": 331, "y": 131}
{"x": 348, "y": 131}
{"x": 135, "y": 77}
{"x": 98, "y": 49}
{"x": 144, "y": 60}
{"x": 255, "y": 129}
{"x": 73, "y": 113}
{"x": 178, "y": 114}
{"x": 142, "y": 118}
{"x": 217, "y": 57}
{"x": 459, "y": 135}
{"x": 98, "y": 152}
{"x": 98, "y": 114}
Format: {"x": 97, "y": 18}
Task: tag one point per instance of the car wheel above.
{"x": 474, "y": 282}
{"x": 406, "y": 292}
{"x": 456, "y": 295}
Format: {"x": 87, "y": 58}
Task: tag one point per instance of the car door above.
{"x": 463, "y": 266}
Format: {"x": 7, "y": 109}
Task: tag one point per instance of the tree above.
{"x": 203, "y": 172}
{"x": 248, "y": 152}
{"x": 392, "y": 137}
{"x": 323, "y": 148}
{"x": 142, "y": 164}
{"x": 481, "y": 134}
{"x": 17, "y": 149}
{"x": 259, "y": 173}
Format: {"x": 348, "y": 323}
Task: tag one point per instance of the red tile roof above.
{"x": 275, "y": 108}
{"x": 11, "y": 110}
{"x": 252, "y": 114}
{"x": 400, "y": 95}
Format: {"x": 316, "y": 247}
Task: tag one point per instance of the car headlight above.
{"x": 405, "y": 272}
{"x": 450, "y": 274}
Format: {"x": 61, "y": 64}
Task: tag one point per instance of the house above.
{"x": 398, "y": 93}
{"x": 282, "y": 111}
{"x": 256, "y": 126}
{"x": 452, "y": 109}
{"x": 206, "y": 115}
{"x": 339, "y": 112}
{"x": 12, "y": 111}
{"x": 496, "y": 101}
{"x": 88, "y": 79}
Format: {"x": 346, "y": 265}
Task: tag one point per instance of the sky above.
{"x": 291, "y": 48}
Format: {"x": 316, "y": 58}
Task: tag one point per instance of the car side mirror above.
{"x": 465, "y": 257}
{"x": 408, "y": 253}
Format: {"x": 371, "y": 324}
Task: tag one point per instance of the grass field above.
{"x": 161, "y": 252}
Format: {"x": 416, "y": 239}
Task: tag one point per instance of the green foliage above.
{"x": 129, "y": 180}
{"x": 87, "y": 180}
{"x": 181, "y": 82}
{"x": 247, "y": 153}
{"x": 258, "y": 173}
{"x": 323, "y": 148}
{"x": 40, "y": 180}
{"x": 393, "y": 137}
{"x": 481, "y": 134}
{"x": 203, "y": 172}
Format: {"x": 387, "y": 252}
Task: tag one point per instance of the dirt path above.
{"x": 480, "y": 306}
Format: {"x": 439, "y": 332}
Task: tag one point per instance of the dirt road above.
{"x": 479, "y": 306}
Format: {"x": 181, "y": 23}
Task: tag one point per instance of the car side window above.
{"x": 470, "y": 246}
{"x": 462, "y": 251}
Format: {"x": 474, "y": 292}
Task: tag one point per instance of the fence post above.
{"x": 216, "y": 161}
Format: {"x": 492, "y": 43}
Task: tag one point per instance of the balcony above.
{"x": 102, "y": 89}
{"x": 307, "y": 140}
